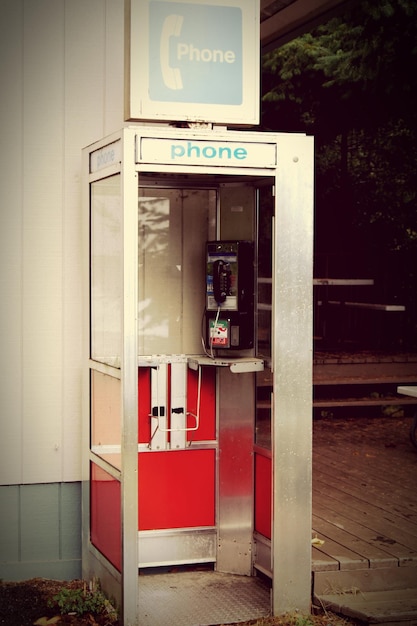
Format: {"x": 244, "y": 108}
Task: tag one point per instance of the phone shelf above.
{"x": 237, "y": 365}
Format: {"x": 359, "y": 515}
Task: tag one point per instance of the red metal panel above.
{"x": 105, "y": 515}
{"x": 263, "y": 495}
{"x": 144, "y": 404}
{"x": 176, "y": 489}
{"x": 236, "y": 460}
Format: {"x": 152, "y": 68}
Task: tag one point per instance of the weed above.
{"x": 302, "y": 620}
{"x": 80, "y": 601}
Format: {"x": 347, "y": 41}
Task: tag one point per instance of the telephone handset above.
{"x": 222, "y": 274}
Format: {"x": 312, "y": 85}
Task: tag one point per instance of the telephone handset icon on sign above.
{"x": 171, "y": 28}
{"x": 221, "y": 280}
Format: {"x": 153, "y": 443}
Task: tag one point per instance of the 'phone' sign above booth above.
{"x": 195, "y": 53}
{"x": 193, "y": 61}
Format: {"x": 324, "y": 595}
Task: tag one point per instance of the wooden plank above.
{"x": 363, "y": 357}
{"x": 366, "y": 580}
{"x": 380, "y": 401}
{"x": 383, "y": 468}
{"x": 394, "y": 552}
{"x": 362, "y": 497}
{"x": 396, "y": 504}
{"x": 322, "y": 562}
{"x": 347, "y": 558}
{"x": 369, "y": 553}
{"x": 380, "y": 532}
{"x": 361, "y": 371}
{"x": 364, "y": 373}
{"x": 373, "y": 474}
{"x": 380, "y": 464}
{"x": 408, "y": 391}
{"x": 394, "y": 496}
{"x": 324, "y": 376}
{"x": 382, "y": 606}
{"x": 368, "y": 305}
{"x": 342, "y": 281}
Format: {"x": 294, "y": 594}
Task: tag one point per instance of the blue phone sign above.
{"x": 195, "y": 53}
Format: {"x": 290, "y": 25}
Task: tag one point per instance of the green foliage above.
{"x": 384, "y": 188}
{"x": 351, "y": 72}
{"x": 79, "y": 601}
{"x": 301, "y": 620}
{"x": 352, "y": 83}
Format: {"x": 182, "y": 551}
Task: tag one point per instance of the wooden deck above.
{"x": 362, "y": 378}
{"x": 365, "y": 512}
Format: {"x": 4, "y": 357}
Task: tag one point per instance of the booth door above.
{"x": 177, "y": 409}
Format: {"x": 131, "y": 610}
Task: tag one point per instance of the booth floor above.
{"x": 201, "y": 598}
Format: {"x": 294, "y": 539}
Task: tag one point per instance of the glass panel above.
{"x": 265, "y": 227}
{"x": 105, "y": 517}
{"x": 264, "y": 331}
{"x": 174, "y": 225}
{"x": 263, "y": 491}
{"x": 106, "y": 270}
{"x": 105, "y": 415}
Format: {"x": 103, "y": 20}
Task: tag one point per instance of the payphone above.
{"x": 229, "y": 295}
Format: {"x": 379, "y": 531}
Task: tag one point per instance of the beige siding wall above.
{"x": 61, "y": 80}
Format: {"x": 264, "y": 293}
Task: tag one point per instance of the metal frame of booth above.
{"x": 113, "y": 549}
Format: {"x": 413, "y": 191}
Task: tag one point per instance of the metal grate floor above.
{"x": 201, "y": 598}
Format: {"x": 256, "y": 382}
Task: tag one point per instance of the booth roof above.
{"x": 283, "y": 20}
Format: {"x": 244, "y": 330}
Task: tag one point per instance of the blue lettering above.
{"x": 240, "y": 153}
{"x": 195, "y": 151}
{"x": 177, "y": 151}
{"x": 209, "y": 152}
{"x": 190, "y": 149}
{"x": 227, "y": 150}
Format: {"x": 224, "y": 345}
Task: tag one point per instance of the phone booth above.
{"x": 199, "y": 243}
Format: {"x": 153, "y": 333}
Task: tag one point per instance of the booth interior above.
{"x": 197, "y": 364}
